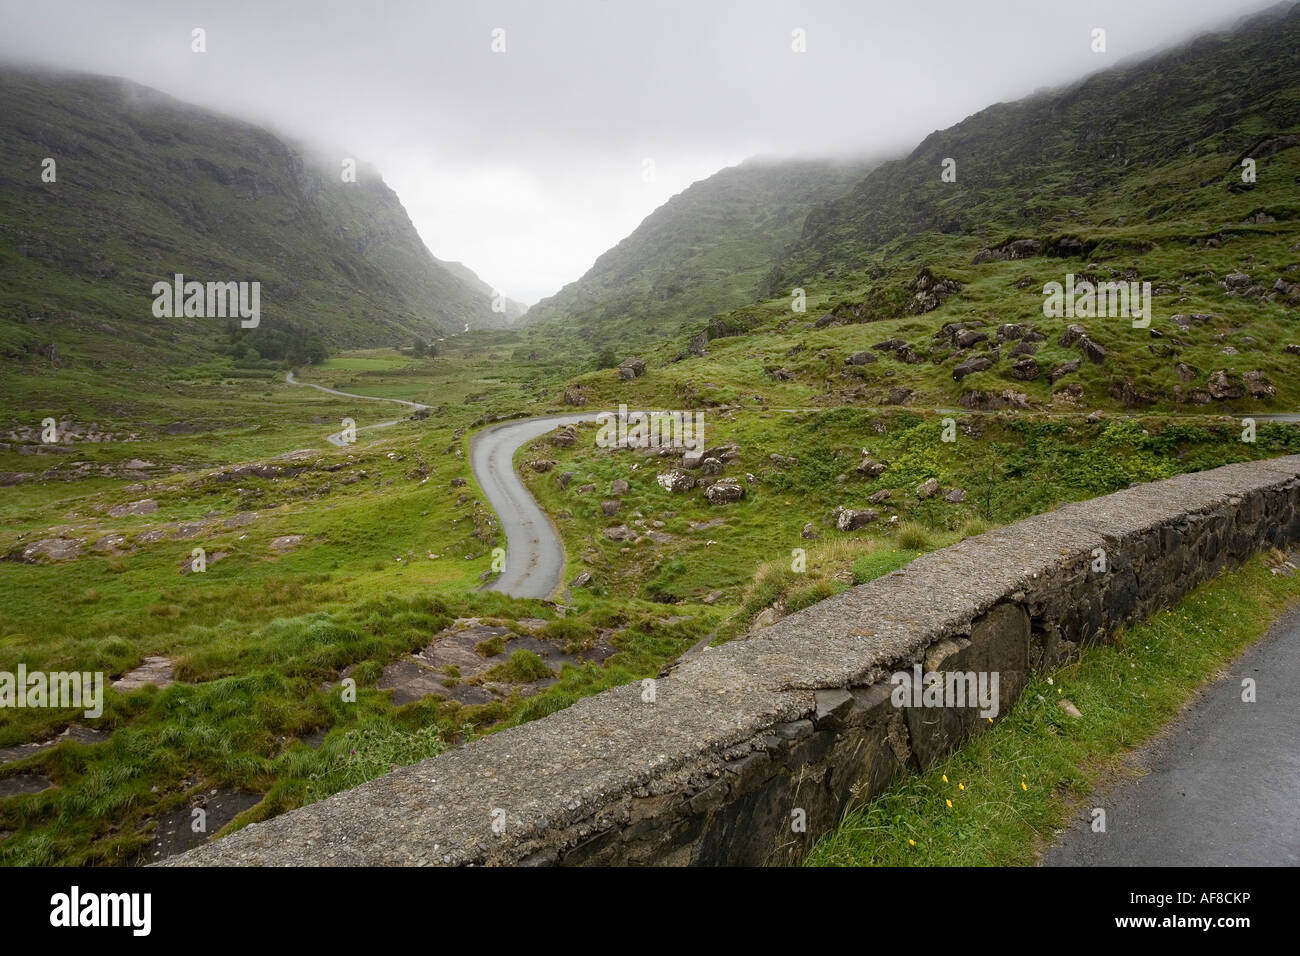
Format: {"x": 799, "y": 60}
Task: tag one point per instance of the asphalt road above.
{"x": 337, "y": 437}
{"x": 535, "y": 558}
{"x": 1223, "y": 787}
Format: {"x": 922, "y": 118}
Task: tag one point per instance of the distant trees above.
{"x": 286, "y": 345}
{"x": 420, "y": 349}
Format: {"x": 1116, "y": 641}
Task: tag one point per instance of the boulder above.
{"x": 1257, "y": 385}
{"x": 1025, "y": 369}
{"x": 676, "y": 481}
{"x": 976, "y": 363}
{"x": 860, "y": 358}
{"x": 724, "y": 492}
{"x": 1094, "y": 352}
{"x": 1064, "y": 369}
{"x": 1073, "y": 333}
{"x": 851, "y": 519}
{"x": 631, "y": 368}
{"x": 927, "y": 489}
{"x": 1222, "y": 387}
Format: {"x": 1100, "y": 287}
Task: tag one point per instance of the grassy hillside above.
{"x": 147, "y": 187}
{"x": 703, "y": 251}
{"x": 1084, "y": 159}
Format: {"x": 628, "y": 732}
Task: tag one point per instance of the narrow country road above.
{"x": 336, "y": 438}
{"x": 1222, "y": 779}
{"x": 535, "y": 556}
{"x": 534, "y": 563}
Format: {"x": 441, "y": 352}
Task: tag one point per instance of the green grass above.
{"x": 1014, "y": 786}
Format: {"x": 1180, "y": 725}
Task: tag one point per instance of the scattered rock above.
{"x": 609, "y": 508}
{"x": 147, "y": 506}
{"x": 724, "y": 492}
{"x": 929, "y": 291}
{"x": 285, "y": 542}
{"x": 927, "y": 489}
{"x": 1222, "y": 387}
{"x": 1064, "y": 369}
{"x": 956, "y": 496}
{"x": 631, "y": 368}
{"x": 851, "y": 519}
{"x": 50, "y": 550}
{"x": 976, "y": 363}
{"x": 1257, "y": 385}
{"x": 155, "y": 670}
{"x": 619, "y": 487}
{"x": 1025, "y": 369}
{"x": 1067, "y": 705}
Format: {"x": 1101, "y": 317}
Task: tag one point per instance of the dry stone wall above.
{"x": 738, "y": 745}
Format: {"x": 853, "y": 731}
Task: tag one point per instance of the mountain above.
{"x": 1167, "y": 188}
{"x": 512, "y": 310}
{"x": 704, "y": 251}
{"x": 1056, "y": 155}
{"x": 145, "y": 186}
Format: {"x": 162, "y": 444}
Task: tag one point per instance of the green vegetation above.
{"x": 147, "y": 187}
{"x": 706, "y": 250}
{"x": 333, "y": 564}
{"x": 1000, "y": 798}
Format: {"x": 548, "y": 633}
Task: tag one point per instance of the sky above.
{"x": 527, "y": 137}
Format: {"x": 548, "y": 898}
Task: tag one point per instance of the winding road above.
{"x": 535, "y": 556}
{"x": 337, "y": 438}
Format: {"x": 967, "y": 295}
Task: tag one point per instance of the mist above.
{"x": 526, "y": 138}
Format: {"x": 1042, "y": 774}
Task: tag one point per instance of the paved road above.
{"x": 1224, "y": 781}
{"x": 534, "y": 554}
{"x": 337, "y": 437}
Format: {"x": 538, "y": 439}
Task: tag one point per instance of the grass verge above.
{"x": 1000, "y": 798}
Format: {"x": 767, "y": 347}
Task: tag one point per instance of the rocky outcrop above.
{"x": 929, "y": 291}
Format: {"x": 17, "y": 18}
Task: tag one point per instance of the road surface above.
{"x": 337, "y": 437}
{"x": 1223, "y": 779}
{"x": 534, "y": 554}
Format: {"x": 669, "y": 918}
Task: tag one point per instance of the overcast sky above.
{"x": 527, "y": 164}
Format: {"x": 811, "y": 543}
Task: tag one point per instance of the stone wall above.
{"x": 796, "y": 717}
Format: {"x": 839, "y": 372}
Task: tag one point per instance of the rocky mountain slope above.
{"x": 703, "y": 251}
{"x": 145, "y": 186}
{"x": 1055, "y": 158}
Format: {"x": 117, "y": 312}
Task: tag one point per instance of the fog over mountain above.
{"x": 528, "y": 161}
